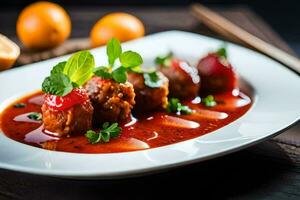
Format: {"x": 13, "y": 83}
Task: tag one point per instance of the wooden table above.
{"x": 269, "y": 170}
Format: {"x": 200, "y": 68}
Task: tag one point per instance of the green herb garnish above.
{"x": 113, "y": 50}
{"x": 107, "y": 132}
{"x": 174, "y": 106}
{"x": 120, "y": 75}
{"x": 209, "y": 101}
{"x": 20, "y": 105}
{"x": 59, "y": 68}
{"x": 130, "y": 61}
{"x": 57, "y": 84}
{"x": 164, "y": 60}
{"x": 79, "y": 67}
{"x": 222, "y": 52}
{"x": 103, "y": 72}
{"x": 35, "y": 116}
{"x": 93, "y": 137}
{"x": 65, "y": 76}
{"x": 152, "y": 79}
{"x": 136, "y": 69}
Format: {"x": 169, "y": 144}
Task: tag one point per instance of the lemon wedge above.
{"x": 9, "y": 52}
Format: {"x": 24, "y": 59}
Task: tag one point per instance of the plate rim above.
{"x": 85, "y": 175}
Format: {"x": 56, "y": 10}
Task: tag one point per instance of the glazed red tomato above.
{"x": 188, "y": 72}
{"x": 217, "y": 74}
{"x": 77, "y": 96}
{"x": 179, "y": 65}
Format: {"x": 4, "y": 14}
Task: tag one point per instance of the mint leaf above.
{"x": 59, "y": 68}
{"x": 102, "y": 72}
{"x": 79, "y": 67}
{"x": 209, "y": 101}
{"x": 119, "y": 75}
{"x": 113, "y": 50}
{"x": 152, "y": 80}
{"x": 174, "y": 106}
{"x": 57, "y": 84}
{"x": 130, "y": 59}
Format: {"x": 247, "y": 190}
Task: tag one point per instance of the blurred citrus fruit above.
{"x": 9, "y": 52}
{"x": 122, "y": 26}
{"x": 43, "y": 25}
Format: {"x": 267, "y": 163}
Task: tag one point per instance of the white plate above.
{"x": 276, "y": 106}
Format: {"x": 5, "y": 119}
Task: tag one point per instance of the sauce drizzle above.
{"x": 138, "y": 133}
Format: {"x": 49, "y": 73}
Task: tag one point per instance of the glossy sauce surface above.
{"x": 138, "y": 133}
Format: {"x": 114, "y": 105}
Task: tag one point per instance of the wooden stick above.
{"x": 232, "y": 31}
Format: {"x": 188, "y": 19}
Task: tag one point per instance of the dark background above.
{"x": 282, "y": 15}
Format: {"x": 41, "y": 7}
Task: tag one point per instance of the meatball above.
{"x": 183, "y": 79}
{"x": 69, "y": 114}
{"x": 217, "y": 74}
{"x": 147, "y": 98}
{"x": 112, "y": 101}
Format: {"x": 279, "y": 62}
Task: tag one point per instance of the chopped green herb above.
{"x": 209, "y": 101}
{"x": 164, "y": 60}
{"x": 20, "y": 105}
{"x": 93, "y": 137}
{"x": 57, "y": 84}
{"x": 35, "y": 116}
{"x": 222, "y": 51}
{"x": 113, "y": 130}
{"x": 152, "y": 80}
{"x": 175, "y": 106}
{"x": 107, "y": 132}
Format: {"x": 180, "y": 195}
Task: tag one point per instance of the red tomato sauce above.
{"x": 138, "y": 133}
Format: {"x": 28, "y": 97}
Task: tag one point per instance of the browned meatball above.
{"x": 183, "y": 79}
{"x": 147, "y": 98}
{"x": 69, "y": 114}
{"x": 112, "y": 101}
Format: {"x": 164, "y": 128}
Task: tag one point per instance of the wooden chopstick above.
{"x": 232, "y": 31}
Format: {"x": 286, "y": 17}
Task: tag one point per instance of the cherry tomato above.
{"x": 77, "y": 96}
{"x": 216, "y": 74}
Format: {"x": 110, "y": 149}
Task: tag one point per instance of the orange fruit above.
{"x": 43, "y": 25}
{"x": 9, "y": 52}
{"x": 122, "y": 26}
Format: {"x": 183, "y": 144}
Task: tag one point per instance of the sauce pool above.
{"x": 139, "y": 132}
